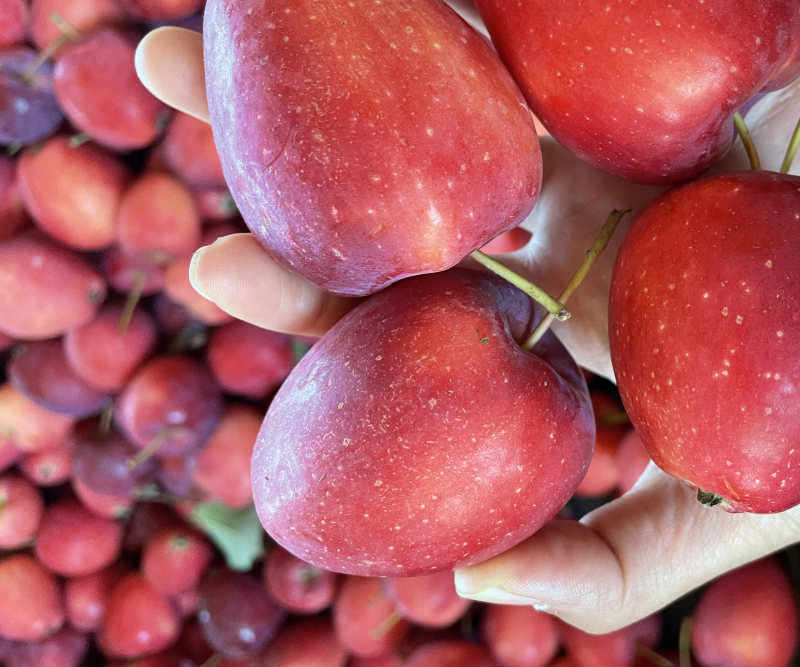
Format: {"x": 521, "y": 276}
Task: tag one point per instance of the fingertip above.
{"x": 239, "y": 276}
{"x": 169, "y": 62}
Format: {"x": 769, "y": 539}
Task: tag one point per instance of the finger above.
{"x": 239, "y": 276}
{"x": 169, "y": 62}
{"x": 629, "y": 558}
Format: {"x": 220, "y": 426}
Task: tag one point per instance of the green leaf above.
{"x": 237, "y": 533}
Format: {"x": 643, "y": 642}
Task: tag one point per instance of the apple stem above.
{"x": 77, "y": 140}
{"x": 598, "y": 246}
{"x": 132, "y": 301}
{"x": 685, "y": 643}
{"x": 152, "y": 447}
{"x": 747, "y": 141}
{"x": 67, "y": 33}
{"x": 553, "y": 307}
{"x": 105, "y": 417}
{"x": 794, "y": 144}
{"x": 213, "y": 661}
{"x": 386, "y": 625}
{"x": 709, "y": 498}
{"x": 651, "y": 656}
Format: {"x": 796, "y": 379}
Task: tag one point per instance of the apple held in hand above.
{"x": 366, "y": 142}
{"x": 645, "y": 90}
{"x": 418, "y": 435}
{"x": 704, "y": 323}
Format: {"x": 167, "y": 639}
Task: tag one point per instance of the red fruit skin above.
{"x": 652, "y": 103}
{"x": 21, "y": 507}
{"x": 138, "y": 620}
{"x": 72, "y": 193}
{"x": 107, "y": 506}
{"x": 236, "y": 614}
{"x": 222, "y": 468}
{"x": 31, "y": 598}
{"x": 49, "y": 467}
{"x": 126, "y": 273}
{"x": 147, "y": 520}
{"x": 173, "y": 398}
{"x": 603, "y": 473}
{"x": 45, "y": 290}
{"x": 248, "y": 360}
{"x": 430, "y": 601}
{"x": 520, "y": 636}
{"x": 452, "y": 653}
{"x": 86, "y": 597}
{"x": 507, "y": 242}
{"x": 103, "y": 356}
{"x": 705, "y": 351}
{"x": 12, "y": 210}
{"x": 65, "y": 648}
{"x": 15, "y": 23}
{"x": 175, "y": 559}
{"x": 632, "y": 459}
{"x": 384, "y": 660}
{"x": 366, "y": 622}
{"x": 41, "y": 372}
{"x": 191, "y": 154}
{"x": 614, "y": 649}
{"x": 299, "y": 587}
{"x": 413, "y": 476}
{"x": 179, "y": 288}
{"x": 30, "y": 427}
{"x": 215, "y": 204}
{"x": 73, "y": 541}
{"x": 9, "y": 454}
{"x": 83, "y": 15}
{"x": 161, "y": 10}
{"x": 420, "y": 153}
{"x": 157, "y": 219}
{"x": 97, "y": 87}
{"x": 307, "y": 643}
{"x": 747, "y": 618}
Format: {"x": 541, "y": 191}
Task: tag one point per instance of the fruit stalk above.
{"x": 747, "y": 141}
{"x": 598, "y": 246}
{"x": 553, "y": 307}
{"x": 791, "y": 151}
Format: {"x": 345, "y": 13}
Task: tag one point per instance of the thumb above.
{"x": 629, "y": 558}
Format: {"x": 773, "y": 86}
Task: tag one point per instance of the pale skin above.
{"x": 632, "y": 556}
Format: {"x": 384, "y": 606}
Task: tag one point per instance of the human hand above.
{"x": 630, "y": 557}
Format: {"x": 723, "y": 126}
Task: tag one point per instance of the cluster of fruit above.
{"x": 131, "y": 404}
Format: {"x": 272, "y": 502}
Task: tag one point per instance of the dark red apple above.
{"x": 366, "y": 142}
{"x": 645, "y": 90}
{"x": 418, "y": 435}
{"x": 705, "y": 340}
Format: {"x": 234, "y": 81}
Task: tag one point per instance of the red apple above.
{"x": 747, "y": 618}
{"x": 418, "y": 435}
{"x": 705, "y": 342}
{"x": 645, "y": 90}
{"x": 364, "y": 143}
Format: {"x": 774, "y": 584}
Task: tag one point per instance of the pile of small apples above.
{"x": 131, "y": 407}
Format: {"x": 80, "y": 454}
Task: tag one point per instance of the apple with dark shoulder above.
{"x": 704, "y": 328}
{"x": 645, "y": 90}
{"x": 365, "y": 142}
{"x": 419, "y": 436}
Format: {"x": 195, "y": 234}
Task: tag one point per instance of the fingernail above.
{"x": 194, "y": 273}
{"x": 498, "y": 596}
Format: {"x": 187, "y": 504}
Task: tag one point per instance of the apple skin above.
{"x": 704, "y": 329}
{"x": 418, "y": 436}
{"x": 366, "y": 142}
{"x": 645, "y": 90}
